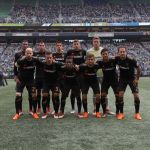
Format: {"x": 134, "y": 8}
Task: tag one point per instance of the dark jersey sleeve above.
{"x": 15, "y": 68}
{"x": 134, "y": 63}
{"x": 99, "y": 62}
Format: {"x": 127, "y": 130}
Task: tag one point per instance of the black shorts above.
{"x": 53, "y": 87}
{"x": 123, "y": 85}
{"x": 28, "y": 84}
{"x": 107, "y": 84}
{"x": 39, "y": 83}
{"x": 75, "y": 89}
{"x": 93, "y": 84}
{"x": 61, "y": 83}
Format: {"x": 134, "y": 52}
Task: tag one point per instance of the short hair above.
{"x": 58, "y": 41}
{"x": 96, "y": 38}
{"x": 48, "y": 53}
{"x": 25, "y": 41}
{"x": 122, "y": 47}
{"x": 104, "y": 50}
{"x": 76, "y": 40}
{"x": 89, "y": 55}
{"x": 41, "y": 41}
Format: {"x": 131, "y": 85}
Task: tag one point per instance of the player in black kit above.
{"x": 18, "y": 55}
{"x": 50, "y": 82}
{"x": 69, "y": 72}
{"x": 89, "y": 70}
{"x": 128, "y": 76}
{"x": 26, "y": 66}
{"x": 78, "y": 55}
{"x": 110, "y": 78}
{"x": 39, "y": 75}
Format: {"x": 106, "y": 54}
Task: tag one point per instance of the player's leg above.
{"x": 65, "y": 92}
{"x": 114, "y": 86}
{"x": 34, "y": 103}
{"x": 104, "y": 91}
{"x": 72, "y": 98}
{"x": 55, "y": 98}
{"x": 85, "y": 89}
{"x": 18, "y": 99}
{"x": 121, "y": 90}
{"x": 45, "y": 91}
{"x": 96, "y": 90}
{"x": 94, "y": 97}
{"x": 76, "y": 92}
{"x": 135, "y": 91}
{"x": 30, "y": 101}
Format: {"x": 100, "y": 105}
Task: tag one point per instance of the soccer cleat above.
{"x": 94, "y": 112}
{"x": 138, "y": 116}
{"x": 79, "y": 115}
{"x": 56, "y": 115}
{"x": 44, "y": 116}
{"x": 85, "y": 115}
{"x": 49, "y": 110}
{"x": 109, "y": 112}
{"x": 30, "y": 112}
{"x": 16, "y": 117}
{"x": 104, "y": 115}
{"x": 117, "y": 115}
{"x": 61, "y": 115}
{"x": 53, "y": 112}
{"x": 39, "y": 111}
{"x": 35, "y": 116}
{"x": 20, "y": 113}
{"x": 72, "y": 111}
{"x": 120, "y": 116}
{"x": 98, "y": 115}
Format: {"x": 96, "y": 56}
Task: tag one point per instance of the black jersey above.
{"x": 51, "y": 72}
{"x": 109, "y": 69}
{"x": 89, "y": 72}
{"x": 127, "y": 68}
{"x": 77, "y": 55}
{"x": 60, "y": 57}
{"x": 39, "y": 67}
{"x": 18, "y": 55}
{"x": 69, "y": 75}
{"x": 26, "y": 68}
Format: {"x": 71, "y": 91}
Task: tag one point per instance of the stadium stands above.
{"x": 74, "y": 11}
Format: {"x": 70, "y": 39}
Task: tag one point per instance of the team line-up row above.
{"x": 75, "y": 71}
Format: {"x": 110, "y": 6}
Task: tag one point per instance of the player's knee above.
{"x": 33, "y": 89}
{"x": 84, "y": 97}
{"x": 38, "y": 92}
{"x": 18, "y": 94}
{"x": 45, "y": 94}
{"x": 34, "y": 96}
{"x": 97, "y": 98}
{"x": 136, "y": 95}
{"x": 18, "y": 97}
{"x": 121, "y": 94}
{"x": 55, "y": 94}
{"x": 103, "y": 94}
{"x": 136, "y": 99}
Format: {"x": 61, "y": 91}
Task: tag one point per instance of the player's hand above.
{"x": 17, "y": 80}
{"x": 135, "y": 81}
{"x": 76, "y": 67}
{"x": 54, "y": 61}
{"x": 23, "y": 57}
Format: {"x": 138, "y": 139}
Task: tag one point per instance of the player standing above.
{"x": 127, "y": 67}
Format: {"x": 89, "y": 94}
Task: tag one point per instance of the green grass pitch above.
{"x": 72, "y": 133}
